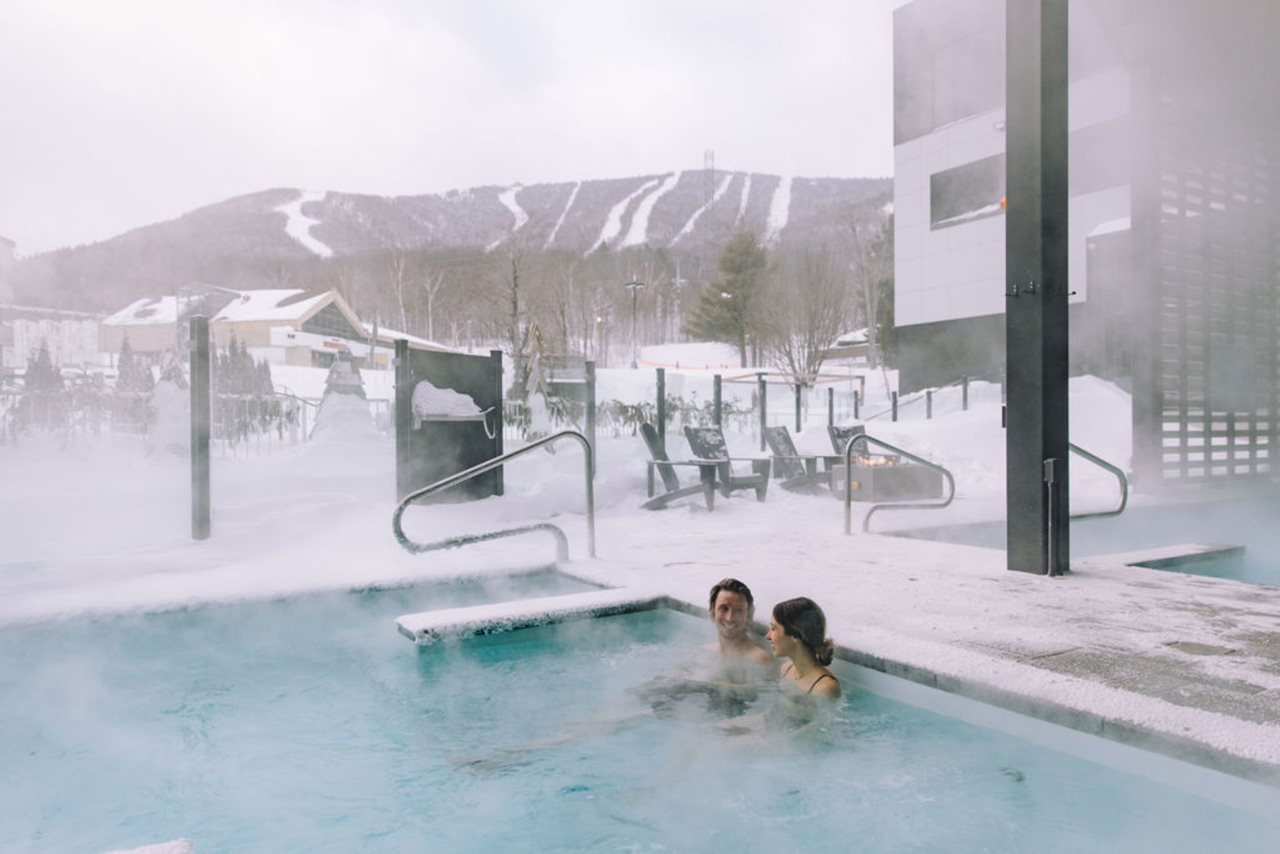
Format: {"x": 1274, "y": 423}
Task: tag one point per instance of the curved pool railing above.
{"x": 562, "y": 542}
{"x": 1113, "y": 469}
{"x": 888, "y": 505}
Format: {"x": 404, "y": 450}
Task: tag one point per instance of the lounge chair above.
{"x": 799, "y": 472}
{"x": 707, "y": 443}
{"x": 666, "y": 470}
{"x": 840, "y": 437}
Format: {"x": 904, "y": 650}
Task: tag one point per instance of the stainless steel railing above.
{"x": 888, "y": 505}
{"x": 562, "y": 542}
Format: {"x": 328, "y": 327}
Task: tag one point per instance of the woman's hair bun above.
{"x": 825, "y": 652}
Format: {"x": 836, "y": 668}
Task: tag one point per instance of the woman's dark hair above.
{"x": 733, "y": 585}
{"x": 801, "y": 618}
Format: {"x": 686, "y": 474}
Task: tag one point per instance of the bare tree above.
{"x": 812, "y": 304}
{"x": 398, "y": 265}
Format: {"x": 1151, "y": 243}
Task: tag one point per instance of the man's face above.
{"x": 730, "y": 614}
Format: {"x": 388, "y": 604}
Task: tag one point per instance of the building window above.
{"x": 330, "y": 321}
{"x": 966, "y": 193}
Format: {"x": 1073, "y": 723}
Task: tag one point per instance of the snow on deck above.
{"x": 613, "y": 222}
{"x": 638, "y": 233}
{"x": 298, "y": 225}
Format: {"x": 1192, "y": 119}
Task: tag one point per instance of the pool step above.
{"x": 1167, "y": 557}
{"x": 429, "y": 627}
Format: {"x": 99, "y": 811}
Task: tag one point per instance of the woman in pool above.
{"x": 797, "y": 633}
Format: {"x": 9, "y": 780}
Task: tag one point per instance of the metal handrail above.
{"x": 1115, "y": 470}
{"x": 562, "y": 543}
{"x": 892, "y": 505}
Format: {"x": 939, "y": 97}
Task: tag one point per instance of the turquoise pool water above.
{"x": 1239, "y": 522}
{"x": 310, "y": 724}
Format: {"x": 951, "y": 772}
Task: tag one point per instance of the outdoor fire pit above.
{"x": 887, "y": 477}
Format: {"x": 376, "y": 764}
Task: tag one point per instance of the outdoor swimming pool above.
{"x": 1240, "y": 522}
{"x": 310, "y": 724}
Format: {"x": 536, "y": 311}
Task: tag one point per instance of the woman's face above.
{"x": 783, "y": 644}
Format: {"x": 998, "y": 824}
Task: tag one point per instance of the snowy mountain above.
{"x": 269, "y": 237}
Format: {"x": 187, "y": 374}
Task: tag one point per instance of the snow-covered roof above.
{"x": 279, "y": 304}
{"x": 856, "y": 336}
{"x": 149, "y": 310}
{"x": 385, "y": 334}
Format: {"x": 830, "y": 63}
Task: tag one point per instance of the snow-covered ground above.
{"x": 99, "y": 526}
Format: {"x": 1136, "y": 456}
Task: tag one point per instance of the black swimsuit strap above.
{"x": 819, "y": 679}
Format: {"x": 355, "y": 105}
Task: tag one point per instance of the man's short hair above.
{"x": 733, "y": 585}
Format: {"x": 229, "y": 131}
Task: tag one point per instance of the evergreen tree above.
{"x": 265, "y": 385}
{"x": 727, "y": 310}
{"x": 132, "y": 375}
{"x": 42, "y": 374}
{"x": 886, "y": 329}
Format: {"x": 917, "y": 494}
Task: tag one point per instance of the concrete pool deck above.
{"x": 1181, "y": 664}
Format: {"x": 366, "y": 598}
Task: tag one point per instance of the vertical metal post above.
{"x": 1148, "y": 399}
{"x": 964, "y": 394}
{"x": 591, "y": 411}
{"x": 662, "y": 407}
{"x": 857, "y": 406}
{"x": 1036, "y": 286}
{"x": 928, "y": 405}
{"x": 893, "y": 406}
{"x": 799, "y": 390}
{"x": 764, "y": 406}
{"x": 403, "y": 416}
{"x": 201, "y": 418}
{"x": 831, "y": 406}
{"x": 716, "y": 399}
{"x": 495, "y": 357}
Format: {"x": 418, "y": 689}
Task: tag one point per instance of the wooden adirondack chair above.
{"x": 840, "y": 437}
{"x": 707, "y": 443}
{"x": 798, "y": 472}
{"x": 665, "y": 469}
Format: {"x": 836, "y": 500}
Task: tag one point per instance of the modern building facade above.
{"x": 1174, "y": 267}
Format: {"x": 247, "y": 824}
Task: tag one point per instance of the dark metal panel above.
{"x": 1036, "y": 287}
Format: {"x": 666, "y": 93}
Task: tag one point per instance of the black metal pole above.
{"x": 403, "y": 417}
{"x": 893, "y": 405}
{"x": 764, "y": 406}
{"x": 928, "y": 405}
{"x": 799, "y": 388}
{"x": 964, "y": 394}
{"x": 495, "y": 357}
{"x": 857, "y": 405}
{"x": 201, "y": 418}
{"x": 831, "y": 406}
{"x": 662, "y": 407}
{"x": 591, "y": 411}
{"x": 1036, "y": 287}
{"x": 716, "y": 399}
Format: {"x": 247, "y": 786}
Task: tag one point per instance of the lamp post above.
{"x": 634, "y": 286}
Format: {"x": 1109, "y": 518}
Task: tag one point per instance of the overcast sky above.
{"x": 118, "y": 114}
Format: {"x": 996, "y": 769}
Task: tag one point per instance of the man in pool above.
{"x": 726, "y": 677}
{"x": 721, "y": 682}
{"x": 732, "y": 607}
